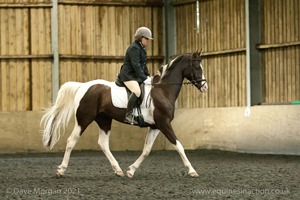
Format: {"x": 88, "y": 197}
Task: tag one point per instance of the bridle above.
{"x": 193, "y": 81}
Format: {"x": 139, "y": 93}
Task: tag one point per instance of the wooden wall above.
{"x": 105, "y": 31}
{"x": 93, "y": 37}
{"x": 222, "y": 38}
{"x": 281, "y": 50}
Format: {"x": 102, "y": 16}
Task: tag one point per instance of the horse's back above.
{"x": 84, "y": 87}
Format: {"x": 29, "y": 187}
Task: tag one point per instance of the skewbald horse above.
{"x": 91, "y": 101}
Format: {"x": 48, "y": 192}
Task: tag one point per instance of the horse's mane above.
{"x": 166, "y": 68}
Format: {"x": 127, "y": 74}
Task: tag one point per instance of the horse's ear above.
{"x": 200, "y": 53}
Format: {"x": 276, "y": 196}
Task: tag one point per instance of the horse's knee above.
{"x": 146, "y": 153}
{"x": 71, "y": 142}
{"x": 73, "y": 138}
{"x": 103, "y": 145}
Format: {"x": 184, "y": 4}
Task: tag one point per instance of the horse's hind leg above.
{"x": 72, "y": 140}
{"x": 104, "y": 124}
{"x": 150, "y": 138}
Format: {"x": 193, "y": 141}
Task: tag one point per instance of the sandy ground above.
{"x": 222, "y": 175}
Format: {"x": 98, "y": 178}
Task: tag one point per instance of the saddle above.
{"x": 139, "y": 118}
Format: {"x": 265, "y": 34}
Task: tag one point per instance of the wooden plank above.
{"x": 290, "y": 35}
{"x": 111, "y": 39}
{"x": 297, "y": 77}
{"x": 62, "y": 24}
{"x": 235, "y": 87}
{"x": 126, "y": 30}
{"x": 47, "y": 76}
{"x": 119, "y": 20}
{"x": 3, "y": 43}
{"x": 35, "y": 85}
{"x": 103, "y": 30}
{"x": 3, "y": 85}
{"x": 41, "y": 49}
{"x": 202, "y": 36}
{"x": 278, "y": 45}
{"x": 25, "y": 5}
{"x": 35, "y": 64}
{"x": 266, "y": 35}
{"x": 218, "y": 29}
{"x": 12, "y": 65}
{"x": 20, "y": 68}
{"x": 189, "y": 26}
{"x": 110, "y": 3}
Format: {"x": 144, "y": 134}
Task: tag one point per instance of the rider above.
{"x": 134, "y": 70}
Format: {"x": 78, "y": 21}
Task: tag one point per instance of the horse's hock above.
{"x": 268, "y": 129}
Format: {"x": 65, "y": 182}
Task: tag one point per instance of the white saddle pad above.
{"x": 120, "y": 99}
{"x": 119, "y": 96}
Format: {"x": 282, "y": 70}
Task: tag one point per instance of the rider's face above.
{"x": 145, "y": 41}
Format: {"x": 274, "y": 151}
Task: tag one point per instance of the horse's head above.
{"x": 188, "y": 66}
{"x": 194, "y": 72}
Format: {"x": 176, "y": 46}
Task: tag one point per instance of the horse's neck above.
{"x": 172, "y": 84}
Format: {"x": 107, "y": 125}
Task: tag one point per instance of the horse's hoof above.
{"x": 130, "y": 175}
{"x": 193, "y": 174}
{"x": 120, "y": 174}
{"x": 58, "y": 175}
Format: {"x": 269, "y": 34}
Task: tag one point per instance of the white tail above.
{"x": 58, "y": 116}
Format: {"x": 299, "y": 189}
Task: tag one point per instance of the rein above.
{"x": 184, "y": 83}
{"x": 162, "y": 84}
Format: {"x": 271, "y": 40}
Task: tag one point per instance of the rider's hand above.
{"x": 148, "y": 80}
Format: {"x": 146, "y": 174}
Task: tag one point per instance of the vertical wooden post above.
{"x": 170, "y": 29}
{"x": 170, "y": 35}
{"x": 248, "y": 64}
{"x": 253, "y": 56}
{"x": 254, "y": 35}
{"x": 54, "y": 41}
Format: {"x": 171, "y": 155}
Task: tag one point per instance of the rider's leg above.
{"x": 134, "y": 87}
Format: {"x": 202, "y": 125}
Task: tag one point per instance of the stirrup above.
{"x": 129, "y": 119}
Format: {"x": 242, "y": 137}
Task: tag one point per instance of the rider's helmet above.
{"x": 143, "y": 32}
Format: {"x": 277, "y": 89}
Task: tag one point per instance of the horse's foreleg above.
{"x": 104, "y": 144}
{"x": 167, "y": 130}
{"x": 179, "y": 148}
{"x": 72, "y": 140}
{"x": 150, "y": 138}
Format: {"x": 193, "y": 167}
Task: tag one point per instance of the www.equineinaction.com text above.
{"x": 241, "y": 191}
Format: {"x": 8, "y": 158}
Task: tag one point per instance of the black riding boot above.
{"x": 132, "y": 101}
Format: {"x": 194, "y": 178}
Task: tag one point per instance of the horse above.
{"x": 92, "y": 101}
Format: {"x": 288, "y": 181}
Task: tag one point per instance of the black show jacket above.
{"x": 134, "y": 67}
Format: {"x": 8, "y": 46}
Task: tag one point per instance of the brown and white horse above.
{"x": 92, "y": 101}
